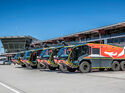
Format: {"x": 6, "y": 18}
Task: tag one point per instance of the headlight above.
{"x": 38, "y": 57}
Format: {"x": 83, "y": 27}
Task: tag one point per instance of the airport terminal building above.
{"x": 113, "y": 34}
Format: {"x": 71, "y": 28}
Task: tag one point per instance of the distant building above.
{"x": 14, "y": 44}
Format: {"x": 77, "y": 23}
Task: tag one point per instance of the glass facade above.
{"x": 110, "y": 36}
{"x": 116, "y": 40}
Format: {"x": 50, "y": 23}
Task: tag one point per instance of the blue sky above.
{"x": 45, "y": 19}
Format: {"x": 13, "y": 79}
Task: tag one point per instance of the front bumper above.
{"x": 15, "y": 61}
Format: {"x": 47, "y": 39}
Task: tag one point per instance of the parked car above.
{"x": 3, "y": 60}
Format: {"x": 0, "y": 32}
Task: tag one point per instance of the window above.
{"x": 39, "y": 52}
{"x": 22, "y": 54}
{"x": 110, "y": 41}
{"x": 28, "y": 53}
{"x": 95, "y": 51}
{"x": 115, "y": 40}
{"x": 122, "y": 40}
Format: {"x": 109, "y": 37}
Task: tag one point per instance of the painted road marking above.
{"x": 6, "y": 86}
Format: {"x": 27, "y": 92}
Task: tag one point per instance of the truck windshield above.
{"x": 17, "y": 56}
{"x": 64, "y": 52}
{"x": 79, "y": 51}
{"x": 46, "y": 53}
{"x": 22, "y": 54}
{"x": 55, "y": 52}
{"x": 27, "y": 54}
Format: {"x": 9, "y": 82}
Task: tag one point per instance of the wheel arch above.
{"x": 85, "y": 60}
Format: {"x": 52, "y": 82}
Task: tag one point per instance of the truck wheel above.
{"x": 115, "y": 66}
{"x": 41, "y": 66}
{"x": 71, "y": 69}
{"x": 27, "y": 65}
{"x": 23, "y": 65}
{"x": 62, "y": 68}
{"x": 122, "y": 64}
{"x": 52, "y": 68}
{"x": 34, "y": 67}
{"x": 85, "y": 67}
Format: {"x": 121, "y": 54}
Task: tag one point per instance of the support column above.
{"x": 105, "y": 41}
{"x": 100, "y": 37}
{"x": 80, "y": 39}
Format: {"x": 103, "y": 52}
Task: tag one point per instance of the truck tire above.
{"x": 115, "y": 66}
{"x": 62, "y": 68}
{"x": 23, "y": 65}
{"x": 85, "y": 67}
{"x": 40, "y": 66}
{"x": 34, "y": 67}
{"x": 122, "y": 65}
{"x": 27, "y": 65}
{"x": 71, "y": 69}
{"x": 52, "y": 68}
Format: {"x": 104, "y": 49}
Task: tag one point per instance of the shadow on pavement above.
{"x": 66, "y": 72}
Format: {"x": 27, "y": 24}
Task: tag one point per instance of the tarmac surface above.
{"x": 15, "y": 79}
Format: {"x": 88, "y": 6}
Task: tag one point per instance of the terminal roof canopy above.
{"x": 16, "y": 43}
{"x": 83, "y": 33}
{"x": 92, "y": 36}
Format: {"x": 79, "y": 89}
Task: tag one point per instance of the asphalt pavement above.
{"x": 15, "y": 79}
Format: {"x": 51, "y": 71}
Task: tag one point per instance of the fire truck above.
{"x": 85, "y": 57}
{"x": 29, "y": 59}
{"x": 17, "y": 59}
{"x": 46, "y": 58}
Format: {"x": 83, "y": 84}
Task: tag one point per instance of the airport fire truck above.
{"x": 17, "y": 59}
{"x": 46, "y": 58}
{"x": 30, "y": 57}
{"x": 85, "y": 57}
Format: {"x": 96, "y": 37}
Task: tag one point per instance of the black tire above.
{"x": 27, "y": 65}
{"x": 34, "y": 67}
{"x": 122, "y": 65}
{"x": 115, "y": 66}
{"x": 40, "y": 66}
{"x": 85, "y": 67}
{"x": 52, "y": 68}
{"x": 101, "y": 69}
{"x": 23, "y": 65}
{"x": 71, "y": 69}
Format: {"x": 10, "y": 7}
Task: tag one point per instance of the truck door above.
{"x": 95, "y": 57}
{"x": 76, "y": 52}
{"x": 79, "y": 53}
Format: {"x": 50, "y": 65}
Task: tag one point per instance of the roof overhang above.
{"x": 119, "y": 25}
{"x": 18, "y": 37}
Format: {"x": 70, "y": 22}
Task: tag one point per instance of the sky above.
{"x": 46, "y": 19}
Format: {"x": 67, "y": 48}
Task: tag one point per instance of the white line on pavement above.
{"x": 6, "y": 86}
